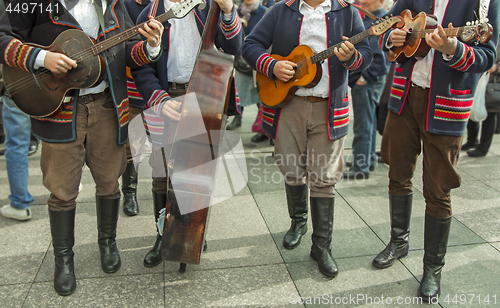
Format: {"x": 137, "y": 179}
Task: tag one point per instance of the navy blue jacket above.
{"x": 255, "y": 16}
{"x": 134, "y": 8}
{"x": 41, "y": 28}
{"x": 280, "y": 27}
{"x": 380, "y": 64}
{"x": 453, "y": 82}
{"x": 152, "y": 80}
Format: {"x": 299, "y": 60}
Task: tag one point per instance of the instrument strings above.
{"x": 28, "y": 81}
{"x": 321, "y": 55}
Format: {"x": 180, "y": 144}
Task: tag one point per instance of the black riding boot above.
{"x": 236, "y": 123}
{"x": 296, "y": 197}
{"x": 129, "y": 189}
{"x": 107, "y": 219}
{"x": 62, "y": 228}
{"x": 321, "y": 249}
{"x": 400, "y": 211}
{"x": 153, "y": 258}
{"x": 437, "y": 231}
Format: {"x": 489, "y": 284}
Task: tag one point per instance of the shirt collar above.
{"x": 325, "y": 4}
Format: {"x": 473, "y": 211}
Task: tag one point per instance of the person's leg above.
{"x": 325, "y": 160}
{"x": 130, "y": 176}
{"x": 17, "y": 138}
{"x": 61, "y": 165}
{"x": 290, "y": 151}
{"x": 400, "y": 149}
{"x": 472, "y": 132}
{"x": 487, "y": 133}
{"x": 439, "y": 177}
{"x": 363, "y": 123}
{"x": 106, "y": 161}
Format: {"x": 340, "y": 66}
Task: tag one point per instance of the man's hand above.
{"x": 170, "y": 109}
{"x": 493, "y": 69}
{"x": 283, "y": 70}
{"x": 440, "y": 41}
{"x": 153, "y": 29}
{"x": 58, "y": 63}
{"x": 346, "y": 50}
{"x": 226, "y": 6}
{"x": 397, "y": 37}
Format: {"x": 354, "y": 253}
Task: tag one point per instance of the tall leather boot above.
{"x": 296, "y": 197}
{"x": 129, "y": 190}
{"x": 236, "y": 123}
{"x": 107, "y": 219}
{"x": 153, "y": 257}
{"x": 322, "y": 211}
{"x": 437, "y": 231}
{"x": 400, "y": 211}
{"x": 62, "y": 228}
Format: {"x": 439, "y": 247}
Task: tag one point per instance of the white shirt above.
{"x": 86, "y": 16}
{"x": 421, "y": 74}
{"x": 184, "y": 42}
{"x": 313, "y": 34}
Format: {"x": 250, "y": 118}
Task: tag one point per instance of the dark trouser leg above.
{"x": 487, "y": 132}
{"x": 321, "y": 250}
{"x": 107, "y": 219}
{"x": 153, "y": 257}
{"x": 129, "y": 189}
{"x": 436, "y": 235}
{"x": 472, "y": 132}
{"x": 62, "y": 228}
{"x": 400, "y": 210}
{"x": 296, "y": 197}
{"x": 236, "y": 123}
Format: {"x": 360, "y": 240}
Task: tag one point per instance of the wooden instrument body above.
{"x": 42, "y": 98}
{"x": 308, "y": 75}
{"x": 195, "y": 156}
{"x": 414, "y": 46}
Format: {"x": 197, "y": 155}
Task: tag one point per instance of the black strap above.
{"x": 100, "y": 16}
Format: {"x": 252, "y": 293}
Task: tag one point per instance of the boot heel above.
{"x": 405, "y": 252}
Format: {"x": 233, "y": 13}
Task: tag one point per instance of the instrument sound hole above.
{"x": 302, "y": 67}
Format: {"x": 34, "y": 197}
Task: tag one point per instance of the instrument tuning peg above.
{"x": 467, "y": 23}
{"x": 486, "y": 20}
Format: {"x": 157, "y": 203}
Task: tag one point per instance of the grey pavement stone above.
{"x": 356, "y": 283}
{"x": 351, "y": 236}
{"x": 123, "y": 291}
{"x": 256, "y": 286}
{"x": 13, "y": 295}
{"x": 245, "y": 264}
{"x": 372, "y": 205}
{"x": 238, "y": 236}
{"x": 23, "y": 246}
{"x": 496, "y": 245}
{"x": 469, "y": 269}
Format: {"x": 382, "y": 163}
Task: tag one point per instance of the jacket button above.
{"x": 111, "y": 22}
{"x": 118, "y": 78}
{"x": 298, "y": 19}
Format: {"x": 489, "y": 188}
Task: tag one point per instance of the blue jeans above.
{"x": 17, "y": 128}
{"x": 365, "y": 99}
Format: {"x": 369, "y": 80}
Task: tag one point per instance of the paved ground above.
{"x": 245, "y": 264}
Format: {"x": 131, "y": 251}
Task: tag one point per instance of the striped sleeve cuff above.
{"x": 140, "y": 54}
{"x": 463, "y": 58}
{"x": 21, "y": 56}
{"x": 157, "y": 100}
{"x": 265, "y": 64}
{"x": 232, "y": 27}
{"x": 355, "y": 62}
